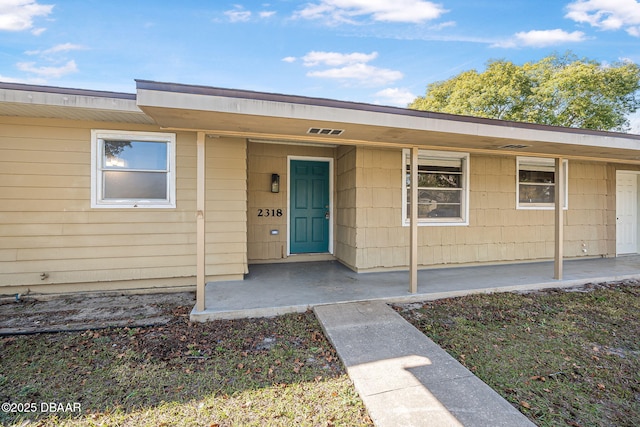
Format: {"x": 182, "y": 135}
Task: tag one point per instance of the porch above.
{"x": 274, "y": 289}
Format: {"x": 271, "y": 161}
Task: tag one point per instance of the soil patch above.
{"x": 33, "y": 314}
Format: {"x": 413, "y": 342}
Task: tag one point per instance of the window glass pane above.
{"x": 437, "y": 203}
{"x": 440, "y": 180}
{"x": 135, "y": 155}
{"x": 445, "y": 211}
{"x": 537, "y": 193}
{"x": 437, "y": 211}
{"x": 537, "y": 176}
{"x": 439, "y": 196}
{"x": 437, "y": 176}
{"x": 135, "y": 185}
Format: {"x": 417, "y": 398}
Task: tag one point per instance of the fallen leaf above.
{"x": 525, "y": 404}
{"x": 601, "y": 386}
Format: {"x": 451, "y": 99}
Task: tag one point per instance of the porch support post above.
{"x": 559, "y": 218}
{"x": 200, "y": 217}
{"x": 413, "y": 217}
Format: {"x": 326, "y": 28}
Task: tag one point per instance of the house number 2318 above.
{"x": 269, "y": 212}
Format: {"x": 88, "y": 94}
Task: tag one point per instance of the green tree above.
{"x": 557, "y": 90}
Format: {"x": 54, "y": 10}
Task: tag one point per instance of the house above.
{"x": 178, "y": 185}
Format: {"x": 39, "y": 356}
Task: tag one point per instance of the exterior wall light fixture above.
{"x": 275, "y": 183}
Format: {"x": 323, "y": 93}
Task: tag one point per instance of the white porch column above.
{"x": 200, "y": 217}
{"x": 559, "y": 218}
{"x": 413, "y": 250}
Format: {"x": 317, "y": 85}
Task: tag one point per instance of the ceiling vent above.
{"x": 513, "y": 147}
{"x": 325, "y": 131}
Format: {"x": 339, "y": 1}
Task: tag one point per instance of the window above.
{"x": 536, "y": 183}
{"x": 132, "y": 169}
{"x": 443, "y": 189}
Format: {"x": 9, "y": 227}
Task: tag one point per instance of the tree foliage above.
{"x": 557, "y": 90}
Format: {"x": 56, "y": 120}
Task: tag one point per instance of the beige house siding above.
{"x": 346, "y": 228}
{"x": 226, "y": 208}
{"x": 48, "y": 226}
{"x": 263, "y": 160}
{"x": 381, "y": 241}
{"x": 497, "y": 231}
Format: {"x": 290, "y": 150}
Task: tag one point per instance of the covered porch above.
{"x": 274, "y": 289}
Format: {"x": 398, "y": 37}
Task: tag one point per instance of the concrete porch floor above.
{"x": 274, "y": 289}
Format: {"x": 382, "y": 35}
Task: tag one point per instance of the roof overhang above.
{"x": 20, "y": 100}
{"x": 275, "y": 117}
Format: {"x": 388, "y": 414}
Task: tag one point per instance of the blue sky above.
{"x": 373, "y": 51}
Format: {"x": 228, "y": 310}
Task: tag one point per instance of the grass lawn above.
{"x": 563, "y": 358}
{"x": 256, "y": 372}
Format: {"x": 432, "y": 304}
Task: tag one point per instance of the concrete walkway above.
{"x": 273, "y": 289}
{"x": 403, "y": 377}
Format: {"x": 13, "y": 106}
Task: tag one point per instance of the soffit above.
{"x": 280, "y": 117}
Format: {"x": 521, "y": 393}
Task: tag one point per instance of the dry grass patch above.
{"x": 561, "y": 357}
{"x": 253, "y": 372}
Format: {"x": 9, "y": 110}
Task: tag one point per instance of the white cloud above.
{"x": 443, "y": 25}
{"x": 65, "y": 47}
{"x": 18, "y": 15}
{"x": 31, "y": 81}
{"x": 347, "y": 67}
{"x": 48, "y": 72}
{"x": 346, "y": 11}
{"x": 607, "y": 14}
{"x": 395, "y": 96}
{"x": 238, "y": 14}
{"x": 361, "y": 73}
{"x": 542, "y": 38}
{"x": 335, "y": 59}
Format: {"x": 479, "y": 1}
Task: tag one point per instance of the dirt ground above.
{"x": 33, "y": 314}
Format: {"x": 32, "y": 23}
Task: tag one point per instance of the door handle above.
{"x": 326, "y": 215}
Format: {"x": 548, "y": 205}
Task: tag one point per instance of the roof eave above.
{"x": 64, "y": 103}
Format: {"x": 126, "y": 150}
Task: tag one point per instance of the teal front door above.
{"x": 309, "y": 206}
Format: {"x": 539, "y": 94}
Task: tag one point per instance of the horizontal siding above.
{"x": 47, "y": 224}
{"x": 93, "y": 241}
{"x": 70, "y": 253}
{"x": 99, "y": 263}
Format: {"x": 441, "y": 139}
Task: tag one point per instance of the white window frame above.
{"x": 541, "y": 164}
{"x": 97, "y": 199}
{"x": 423, "y": 156}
